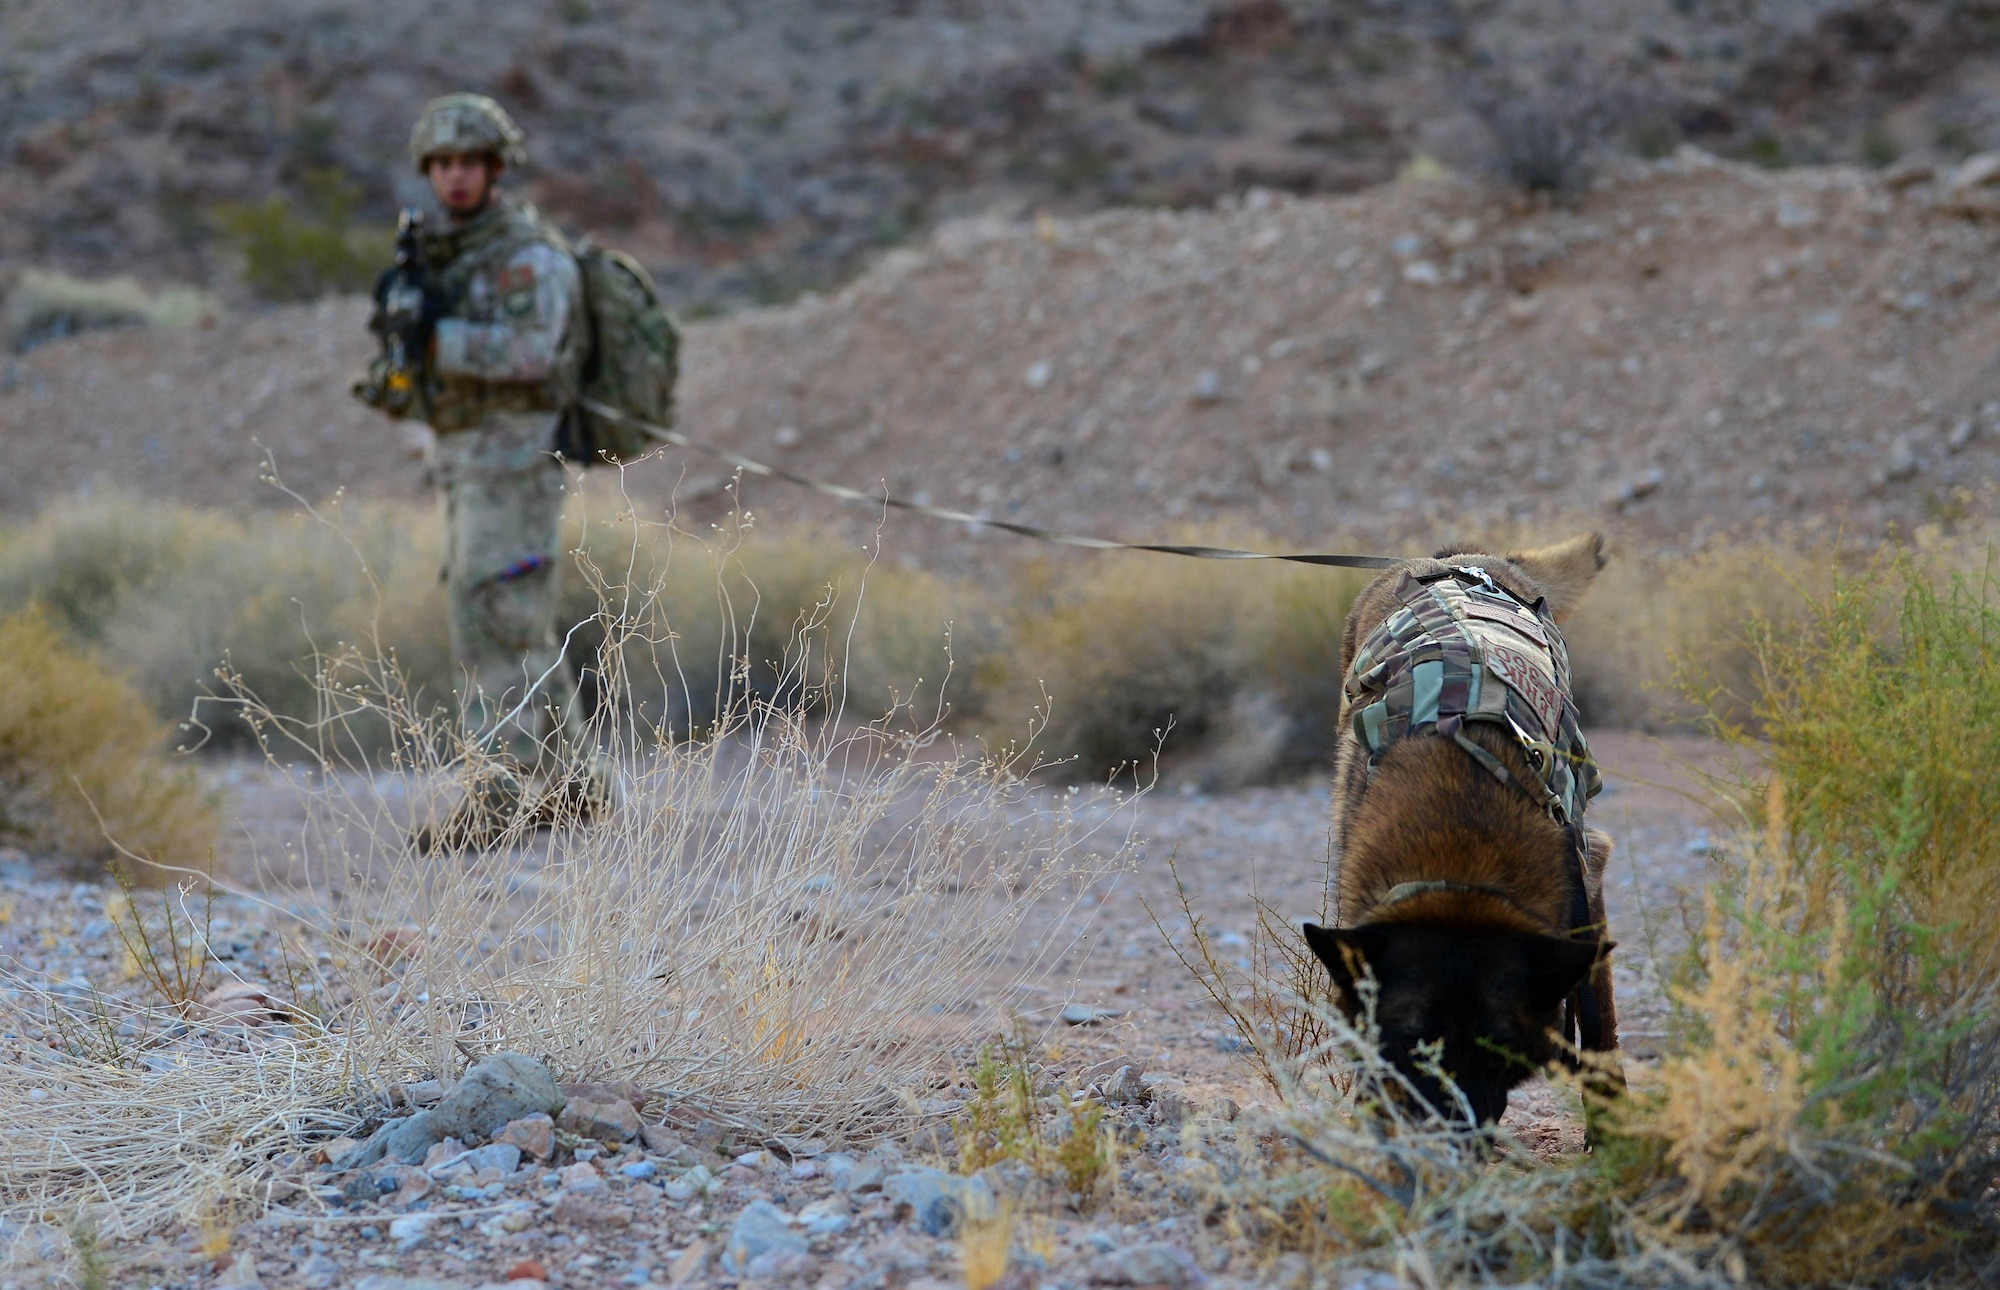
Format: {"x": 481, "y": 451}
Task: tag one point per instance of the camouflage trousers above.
{"x": 502, "y": 495}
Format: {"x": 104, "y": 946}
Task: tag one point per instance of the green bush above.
{"x": 1833, "y": 1108}
{"x": 291, "y": 253}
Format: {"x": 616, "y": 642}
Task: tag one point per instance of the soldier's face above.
{"x": 462, "y": 180}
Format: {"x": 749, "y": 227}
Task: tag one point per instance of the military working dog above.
{"x": 1465, "y": 881}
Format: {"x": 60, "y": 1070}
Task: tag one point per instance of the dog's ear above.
{"x": 1557, "y": 965}
{"x": 1564, "y": 571}
{"x": 1346, "y": 951}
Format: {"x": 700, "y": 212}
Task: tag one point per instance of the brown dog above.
{"x": 1465, "y": 881}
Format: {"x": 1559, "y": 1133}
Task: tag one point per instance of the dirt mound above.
{"x": 1695, "y": 348}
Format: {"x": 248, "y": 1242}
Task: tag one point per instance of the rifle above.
{"x": 391, "y": 383}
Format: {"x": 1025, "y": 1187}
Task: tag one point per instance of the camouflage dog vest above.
{"x": 1462, "y": 648}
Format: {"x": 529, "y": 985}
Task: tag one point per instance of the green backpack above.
{"x": 633, "y": 363}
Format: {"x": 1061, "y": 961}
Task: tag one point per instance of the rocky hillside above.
{"x": 1695, "y": 347}
{"x": 751, "y": 151}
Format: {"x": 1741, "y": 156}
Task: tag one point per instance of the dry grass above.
{"x": 46, "y": 306}
{"x": 786, "y": 922}
{"x": 1232, "y": 670}
{"x": 83, "y": 766}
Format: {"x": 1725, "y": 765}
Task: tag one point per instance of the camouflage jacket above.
{"x": 516, "y": 334}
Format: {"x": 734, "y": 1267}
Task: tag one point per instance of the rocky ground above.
{"x": 623, "y": 1188}
{"x": 1694, "y": 349}
{"x": 747, "y": 152}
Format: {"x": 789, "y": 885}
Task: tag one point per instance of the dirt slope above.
{"x": 1695, "y": 348}
{"x": 749, "y": 151}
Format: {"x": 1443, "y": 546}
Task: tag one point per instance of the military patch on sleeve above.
{"x": 517, "y": 288}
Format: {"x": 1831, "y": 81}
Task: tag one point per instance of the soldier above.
{"x": 498, "y": 344}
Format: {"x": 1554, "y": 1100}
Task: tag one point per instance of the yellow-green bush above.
{"x": 291, "y": 253}
{"x": 82, "y": 765}
{"x": 1832, "y": 1109}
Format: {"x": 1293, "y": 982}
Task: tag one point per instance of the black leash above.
{"x": 841, "y": 492}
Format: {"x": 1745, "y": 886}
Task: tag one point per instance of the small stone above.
{"x": 494, "y": 1157}
{"x": 761, "y": 1229}
{"x": 1902, "y": 461}
{"x": 241, "y": 1274}
{"x": 1207, "y": 387}
{"x": 639, "y": 1170}
{"x": 591, "y": 1209}
{"x": 829, "y": 1217}
{"x": 606, "y": 1121}
{"x": 383, "y": 1281}
{"x": 1225, "y": 1108}
{"x": 1961, "y": 435}
{"x": 410, "y": 1138}
{"x": 1171, "y": 1107}
{"x": 659, "y": 1138}
{"x": 1038, "y": 374}
{"x": 1153, "y": 1263}
{"x": 1976, "y": 171}
{"x": 581, "y": 1179}
{"x": 787, "y": 437}
{"x": 861, "y": 1176}
{"x": 408, "y": 1232}
{"x": 1084, "y": 1014}
{"x": 328, "y": 1152}
{"x": 777, "y": 1265}
{"x": 410, "y": 1185}
{"x": 424, "y": 1092}
{"x": 689, "y": 1263}
{"x": 527, "y": 1270}
{"x": 939, "y": 1202}
{"x": 535, "y": 1135}
{"x": 440, "y": 1152}
{"x": 494, "y": 1091}
{"x": 1123, "y": 1088}
{"x": 318, "y": 1272}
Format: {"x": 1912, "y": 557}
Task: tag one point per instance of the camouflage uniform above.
{"x": 504, "y": 363}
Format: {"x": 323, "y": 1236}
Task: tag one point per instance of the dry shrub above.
{"x": 1651, "y": 626}
{"x": 1836, "y": 1107}
{"x": 726, "y": 617}
{"x": 168, "y": 594}
{"x": 83, "y": 771}
{"x": 46, "y": 306}
{"x": 1125, "y": 653}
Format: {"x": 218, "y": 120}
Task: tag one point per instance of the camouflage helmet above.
{"x": 466, "y": 123}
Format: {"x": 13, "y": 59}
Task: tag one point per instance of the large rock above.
{"x": 497, "y": 1089}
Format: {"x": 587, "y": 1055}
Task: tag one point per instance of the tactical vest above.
{"x": 455, "y": 255}
{"x": 1462, "y": 648}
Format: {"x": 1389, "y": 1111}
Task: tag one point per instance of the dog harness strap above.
{"x": 1434, "y": 663}
{"x": 1403, "y": 891}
